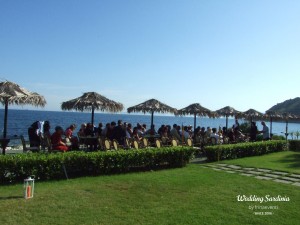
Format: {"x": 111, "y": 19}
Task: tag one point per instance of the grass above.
{"x": 191, "y": 195}
{"x": 283, "y": 161}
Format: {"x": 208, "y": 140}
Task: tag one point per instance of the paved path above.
{"x": 258, "y": 173}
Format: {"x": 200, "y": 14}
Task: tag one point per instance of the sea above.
{"x": 20, "y": 120}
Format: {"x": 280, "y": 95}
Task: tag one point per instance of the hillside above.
{"x": 291, "y": 106}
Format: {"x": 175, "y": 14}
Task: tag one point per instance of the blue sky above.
{"x": 242, "y": 53}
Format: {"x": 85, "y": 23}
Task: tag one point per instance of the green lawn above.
{"x": 191, "y": 195}
{"x": 283, "y": 161}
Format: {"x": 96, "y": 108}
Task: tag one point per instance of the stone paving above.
{"x": 258, "y": 173}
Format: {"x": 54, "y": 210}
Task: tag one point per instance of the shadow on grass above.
{"x": 11, "y": 197}
{"x": 199, "y": 160}
{"x": 293, "y": 160}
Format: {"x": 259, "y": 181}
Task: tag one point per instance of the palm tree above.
{"x": 292, "y": 135}
{"x": 297, "y": 134}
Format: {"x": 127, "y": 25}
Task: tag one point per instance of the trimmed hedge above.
{"x": 240, "y": 150}
{"x": 294, "y": 145}
{"x": 15, "y": 168}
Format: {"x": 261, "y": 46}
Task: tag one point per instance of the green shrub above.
{"x": 15, "y": 168}
{"x": 240, "y": 150}
{"x": 245, "y": 127}
{"x": 294, "y": 145}
{"x": 278, "y": 137}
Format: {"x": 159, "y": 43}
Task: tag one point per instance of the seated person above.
{"x": 70, "y": 138}
{"x": 81, "y": 132}
{"x": 46, "y": 128}
{"x": 164, "y": 135}
{"x": 135, "y": 134}
{"x": 151, "y": 131}
{"x": 215, "y": 135}
{"x": 34, "y": 138}
{"x": 90, "y": 132}
{"x": 99, "y": 130}
{"x": 231, "y": 136}
{"x": 57, "y": 141}
{"x": 129, "y": 131}
{"x": 140, "y": 130}
{"x": 46, "y": 135}
{"x": 174, "y": 133}
{"x": 185, "y": 133}
{"x": 208, "y": 132}
{"x": 197, "y": 135}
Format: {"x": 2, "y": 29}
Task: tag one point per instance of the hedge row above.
{"x": 233, "y": 151}
{"x": 14, "y": 168}
{"x": 294, "y": 145}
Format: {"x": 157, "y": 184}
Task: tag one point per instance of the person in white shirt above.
{"x": 174, "y": 133}
{"x": 185, "y": 133}
{"x": 265, "y": 131}
{"x": 215, "y": 135}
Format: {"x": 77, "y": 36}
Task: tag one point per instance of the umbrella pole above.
{"x": 226, "y": 122}
{"x": 152, "y": 118}
{"x": 93, "y": 109}
{"x": 4, "y": 141}
{"x": 194, "y": 126}
{"x": 286, "y": 129}
{"x": 5, "y": 119}
{"x": 271, "y": 121}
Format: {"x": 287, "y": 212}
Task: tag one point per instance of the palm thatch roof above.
{"x": 150, "y": 106}
{"x": 273, "y": 115}
{"x": 228, "y": 111}
{"x": 12, "y": 93}
{"x": 92, "y": 101}
{"x": 195, "y": 109}
{"x": 253, "y": 114}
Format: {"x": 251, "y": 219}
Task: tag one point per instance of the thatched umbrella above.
{"x": 228, "y": 111}
{"x": 197, "y": 110}
{"x": 12, "y": 93}
{"x": 151, "y": 106}
{"x": 252, "y": 114}
{"x": 91, "y": 101}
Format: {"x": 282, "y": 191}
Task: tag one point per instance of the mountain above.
{"x": 290, "y": 106}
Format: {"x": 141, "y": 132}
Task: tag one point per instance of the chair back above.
{"x": 115, "y": 144}
{"x": 100, "y": 143}
{"x": 145, "y": 142}
{"x": 189, "y": 142}
{"x": 158, "y": 143}
{"x": 127, "y": 144}
{"x": 23, "y": 143}
{"x": 174, "y": 143}
{"x": 135, "y": 144}
{"x": 107, "y": 144}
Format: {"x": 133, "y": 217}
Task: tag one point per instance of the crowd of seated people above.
{"x": 65, "y": 140}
